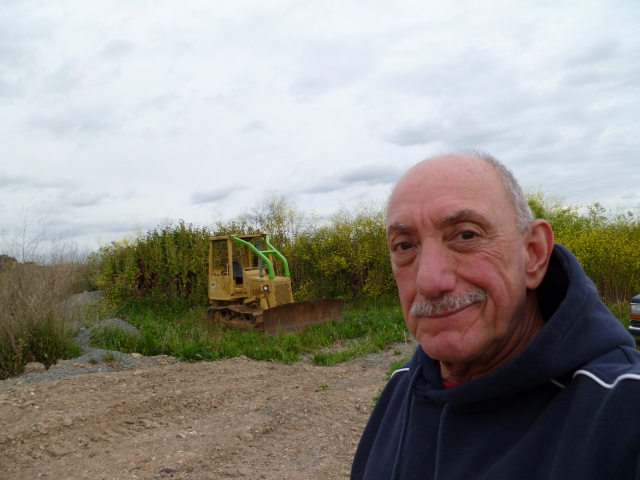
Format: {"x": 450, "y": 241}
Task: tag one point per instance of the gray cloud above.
{"x": 211, "y": 196}
{"x": 64, "y": 79}
{"x": 116, "y": 49}
{"x": 604, "y": 49}
{"x": 555, "y": 99}
{"x": 16, "y": 37}
{"x": 415, "y": 134}
{"x": 458, "y": 131}
{"x": 255, "y": 126}
{"x": 332, "y": 65}
{"x": 10, "y": 89}
{"x": 159, "y": 102}
{"x": 73, "y": 122}
{"x": 81, "y": 199}
{"x": 324, "y": 186}
{"x": 373, "y": 174}
{"x": 16, "y": 49}
{"x": 11, "y": 180}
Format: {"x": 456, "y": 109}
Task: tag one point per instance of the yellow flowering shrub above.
{"x": 346, "y": 256}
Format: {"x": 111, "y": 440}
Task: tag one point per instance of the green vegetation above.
{"x": 157, "y": 281}
{"x": 606, "y": 244}
{"x": 395, "y": 365}
{"x": 346, "y": 255}
{"x": 184, "y": 332}
{"x": 109, "y": 357}
{"x": 34, "y": 327}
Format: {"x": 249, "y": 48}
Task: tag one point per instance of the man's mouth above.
{"x": 448, "y": 304}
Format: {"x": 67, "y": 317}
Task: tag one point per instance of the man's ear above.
{"x": 539, "y": 247}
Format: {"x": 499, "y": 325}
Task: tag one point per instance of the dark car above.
{"x": 634, "y": 314}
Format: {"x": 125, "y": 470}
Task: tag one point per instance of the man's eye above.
{"x": 467, "y": 235}
{"x": 404, "y": 246}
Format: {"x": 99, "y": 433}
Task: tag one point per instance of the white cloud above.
{"x": 117, "y": 111}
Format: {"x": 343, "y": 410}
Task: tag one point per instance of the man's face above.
{"x": 451, "y": 231}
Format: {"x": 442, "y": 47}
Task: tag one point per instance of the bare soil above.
{"x": 166, "y": 419}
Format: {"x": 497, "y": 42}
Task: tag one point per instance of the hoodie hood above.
{"x": 579, "y": 328}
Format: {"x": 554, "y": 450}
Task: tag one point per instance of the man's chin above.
{"x": 447, "y": 348}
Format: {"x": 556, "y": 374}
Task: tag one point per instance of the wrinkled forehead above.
{"x": 449, "y": 183}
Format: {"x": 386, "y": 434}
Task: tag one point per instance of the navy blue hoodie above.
{"x": 564, "y": 408}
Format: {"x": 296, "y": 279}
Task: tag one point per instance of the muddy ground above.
{"x": 166, "y": 419}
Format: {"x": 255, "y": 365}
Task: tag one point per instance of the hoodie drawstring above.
{"x": 445, "y": 410}
{"x": 408, "y": 402}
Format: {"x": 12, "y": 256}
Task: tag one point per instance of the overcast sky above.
{"x": 117, "y": 112}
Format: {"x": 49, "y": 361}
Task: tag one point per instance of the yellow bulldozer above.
{"x": 245, "y": 292}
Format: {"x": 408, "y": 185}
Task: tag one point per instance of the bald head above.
{"x": 467, "y": 161}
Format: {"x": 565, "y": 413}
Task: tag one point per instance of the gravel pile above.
{"x": 92, "y": 359}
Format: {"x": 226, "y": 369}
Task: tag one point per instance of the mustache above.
{"x": 448, "y": 302}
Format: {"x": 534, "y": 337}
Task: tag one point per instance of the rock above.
{"x": 245, "y": 471}
{"x": 75, "y": 306}
{"x": 67, "y": 422}
{"x": 85, "y": 334}
{"x": 84, "y": 337}
{"x": 56, "y": 451}
{"x": 115, "y": 323}
{"x": 136, "y": 355}
{"x": 245, "y": 437}
{"x": 34, "y": 367}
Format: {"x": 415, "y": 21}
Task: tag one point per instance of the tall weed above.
{"x": 33, "y": 325}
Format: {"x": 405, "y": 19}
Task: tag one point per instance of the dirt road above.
{"x": 231, "y": 419}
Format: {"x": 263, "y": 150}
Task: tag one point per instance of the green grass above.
{"x": 184, "y": 332}
{"x": 41, "y": 340}
{"x": 395, "y": 365}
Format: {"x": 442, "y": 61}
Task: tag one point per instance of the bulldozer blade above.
{"x": 294, "y": 317}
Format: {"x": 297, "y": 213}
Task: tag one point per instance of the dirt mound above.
{"x": 165, "y": 419}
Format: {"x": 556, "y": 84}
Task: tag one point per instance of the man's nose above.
{"x": 436, "y": 271}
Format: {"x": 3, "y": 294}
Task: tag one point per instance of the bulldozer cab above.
{"x": 242, "y": 270}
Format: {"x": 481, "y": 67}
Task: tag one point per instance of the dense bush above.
{"x": 343, "y": 257}
{"x": 346, "y": 255}
{"x": 168, "y": 262}
{"x": 606, "y": 244}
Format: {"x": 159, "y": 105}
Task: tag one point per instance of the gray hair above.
{"x": 524, "y": 216}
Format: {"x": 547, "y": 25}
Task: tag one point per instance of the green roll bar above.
{"x": 263, "y": 255}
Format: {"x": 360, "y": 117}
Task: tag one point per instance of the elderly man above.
{"x": 521, "y": 371}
